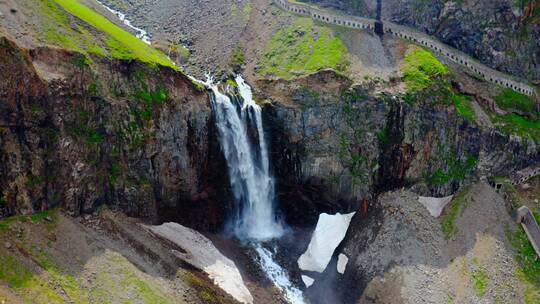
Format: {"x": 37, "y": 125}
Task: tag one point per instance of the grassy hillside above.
{"x": 302, "y": 48}
{"x": 72, "y": 25}
{"x": 121, "y": 43}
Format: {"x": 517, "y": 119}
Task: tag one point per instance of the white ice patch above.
{"x": 202, "y": 254}
{"x": 435, "y": 205}
{"x": 307, "y": 280}
{"x": 342, "y": 263}
{"x": 330, "y": 231}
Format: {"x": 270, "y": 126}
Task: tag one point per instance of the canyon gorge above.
{"x": 259, "y": 151}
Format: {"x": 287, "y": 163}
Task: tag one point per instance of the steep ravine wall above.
{"x": 83, "y": 132}
{"x": 446, "y": 51}
{"x": 334, "y": 146}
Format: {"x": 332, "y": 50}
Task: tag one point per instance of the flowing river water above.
{"x": 254, "y": 215}
{"x": 254, "y": 219}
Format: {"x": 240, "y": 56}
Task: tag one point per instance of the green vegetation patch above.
{"x": 528, "y": 271}
{"x": 24, "y": 282}
{"x": 420, "y": 68}
{"x": 479, "y": 280}
{"x": 463, "y": 106}
{"x": 123, "y": 44}
{"x": 301, "y": 49}
{"x": 49, "y": 217}
{"x": 238, "y": 57}
{"x": 427, "y": 79}
{"x": 509, "y": 99}
{"x": 525, "y": 254}
{"x": 231, "y": 83}
{"x": 525, "y": 124}
{"x": 121, "y": 283}
{"x": 204, "y": 290}
{"x": 531, "y": 294}
{"x": 517, "y": 125}
{"x": 57, "y": 276}
{"x": 457, "y": 170}
{"x": 440, "y": 92}
{"x": 57, "y": 26}
{"x": 450, "y": 214}
{"x": 154, "y": 97}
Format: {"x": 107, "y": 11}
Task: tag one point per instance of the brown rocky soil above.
{"x": 111, "y": 258}
{"x": 105, "y": 257}
{"x": 402, "y": 256}
{"x": 211, "y": 30}
{"x": 213, "y": 33}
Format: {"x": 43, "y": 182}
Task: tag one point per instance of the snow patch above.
{"x": 342, "y": 263}
{"x": 435, "y": 205}
{"x": 329, "y": 232}
{"x": 202, "y": 254}
{"x": 307, "y": 280}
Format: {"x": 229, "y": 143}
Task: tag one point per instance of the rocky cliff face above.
{"x": 335, "y": 145}
{"x": 81, "y": 132}
{"x": 502, "y": 34}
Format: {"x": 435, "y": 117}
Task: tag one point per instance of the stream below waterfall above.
{"x": 254, "y": 219}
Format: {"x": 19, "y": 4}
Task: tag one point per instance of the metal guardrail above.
{"x": 526, "y": 218}
{"x": 434, "y": 44}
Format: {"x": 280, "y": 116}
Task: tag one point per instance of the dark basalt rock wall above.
{"x": 334, "y": 146}
{"x": 81, "y": 134}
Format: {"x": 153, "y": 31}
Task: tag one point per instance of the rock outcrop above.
{"x": 81, "y": 132}
{"x": 199, "y": 252}
{"x": 336, "y": 146}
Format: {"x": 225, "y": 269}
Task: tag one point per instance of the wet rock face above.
{"x": 124, "y": 134}
{"x": 332, "y": 146}
{"x": 319, "y": 154}
{"x": 499, "y": 33}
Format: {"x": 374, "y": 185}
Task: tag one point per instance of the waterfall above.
{"x": 252, "y": 185}
{"x": 139, "y": 32}
{"x": 254, "y": 219}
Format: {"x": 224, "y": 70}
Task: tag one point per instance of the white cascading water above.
{"x": 251, "y": 182}
{"x": 278, "y": 275}
{"x": 255, "y": 219}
